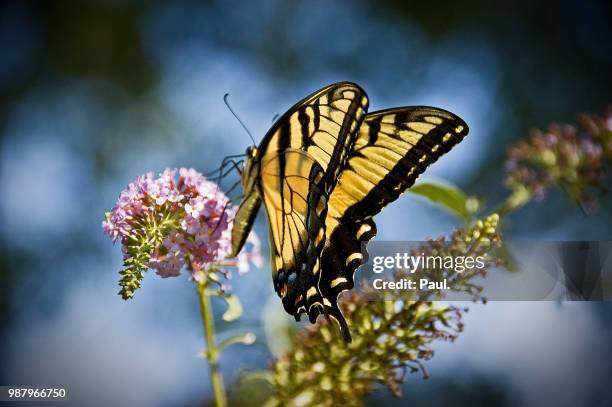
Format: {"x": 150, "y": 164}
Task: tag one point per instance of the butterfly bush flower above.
{"x": 177, "y": 220}
{"x": 566, "y": 156}
{"x": 600, "y": 129}
{"x": 482, "y": 239}
{"x": 391, "y": 338}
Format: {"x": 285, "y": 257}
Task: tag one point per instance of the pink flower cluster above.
{"x": 189, "y": 221}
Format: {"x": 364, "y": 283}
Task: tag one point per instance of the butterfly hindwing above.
{"x": 393, "y": 147}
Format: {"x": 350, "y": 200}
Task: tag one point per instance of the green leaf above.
{"x": 234, "y": 308}
{"x": 449, "y": 196}
{"x": 245, "y": 339}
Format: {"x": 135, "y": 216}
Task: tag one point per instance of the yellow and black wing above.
{"x": 393, "y": 147}
{"x": 300, "y": 160}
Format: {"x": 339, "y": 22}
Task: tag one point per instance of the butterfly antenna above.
{"x": 225, "y": 99}
{"x": 224, "y": 163}
{"x": 229, "y": 191}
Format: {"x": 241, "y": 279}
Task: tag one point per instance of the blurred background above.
{"x": 94, "y": 93}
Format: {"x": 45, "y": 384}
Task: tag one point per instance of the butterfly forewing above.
{"x": 301, "y": 158}
{"x": 393, "y": 147}
{"x": 324, "y": 125}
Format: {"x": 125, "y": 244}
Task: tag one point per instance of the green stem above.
{"x": 516, "y": 200}
{"x": 212, "y": 353}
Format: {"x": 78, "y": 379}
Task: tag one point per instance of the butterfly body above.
{"x": 322, "y": 172}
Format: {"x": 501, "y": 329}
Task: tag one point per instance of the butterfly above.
{"x": 322, "y": 171}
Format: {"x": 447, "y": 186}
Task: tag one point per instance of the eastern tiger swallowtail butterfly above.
{"x": 323, "y": 170}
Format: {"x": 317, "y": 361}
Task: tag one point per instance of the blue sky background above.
{"x": 95, "y": 94}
